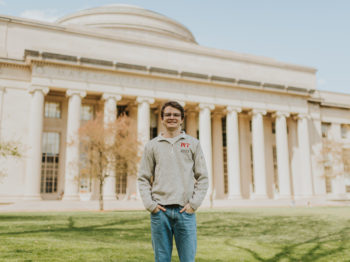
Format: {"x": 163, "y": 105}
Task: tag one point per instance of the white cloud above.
{"x": 48, "y": 15}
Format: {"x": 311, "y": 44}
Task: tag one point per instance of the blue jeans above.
{"x": 165, "y": 225}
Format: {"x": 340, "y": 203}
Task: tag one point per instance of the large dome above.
{"x": 129, "y": 20}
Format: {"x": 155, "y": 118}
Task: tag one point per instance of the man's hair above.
{"x": 173, "y": 104}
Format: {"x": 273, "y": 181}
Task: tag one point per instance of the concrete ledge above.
{"x": 112, "y": 205}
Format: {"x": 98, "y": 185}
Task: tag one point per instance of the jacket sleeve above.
{"x": 201, "y": 176}
{"x": 146, "y": 171}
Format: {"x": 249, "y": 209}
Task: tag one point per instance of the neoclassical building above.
{"x": 260, "y": 121}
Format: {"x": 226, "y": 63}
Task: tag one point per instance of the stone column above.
{"x": 71, "y": 188}
{"x": 233, "y": 157}
{"x": 2, "y": 90}
{"x": 143, "y": 124}
{"x": 218, "y": 158}
{"x": 305, "y": 157}
{"x": 33, "y": 163}
{"x": 143, "y": 119}
{"x": 282, "y": 151}
{"x": 338, "y": 182}
{"x": 191, "y": 122}
{"x": 109, "y": 117}
{"x": 205, "y": 140}
{"x": 258, "y": 145}
{"x": 132, "y": 178}
{"x": 160, "y": 127}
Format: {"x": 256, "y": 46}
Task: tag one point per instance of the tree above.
{"x": 335, "y": 157}
{"x": 9, "y": 149}
{"x": 107, "y": 149}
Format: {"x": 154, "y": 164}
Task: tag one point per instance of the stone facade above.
{"x": 260, "y": 121}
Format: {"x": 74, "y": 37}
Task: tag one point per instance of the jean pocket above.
{"x": 154, "y": 214}
{"x": 190, "y": 214}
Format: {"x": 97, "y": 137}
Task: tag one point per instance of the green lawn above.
{"x": 266, "y": 234}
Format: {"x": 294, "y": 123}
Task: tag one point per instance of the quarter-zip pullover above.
{"x": 178, "y": 169}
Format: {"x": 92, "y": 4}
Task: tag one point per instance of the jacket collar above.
{"x": 181, "y": 136}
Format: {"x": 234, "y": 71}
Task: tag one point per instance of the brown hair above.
{"x": 173, "y": 104}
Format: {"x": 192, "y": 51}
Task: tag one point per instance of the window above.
{"x": 153, "y": 123}
{"x": 223, "y": 124}
{"x": 344, "y": 131}
{"x": 121, "y": 110}
{"x": 325, "y": 129}
{"x": 121, "y": 183}
{"x": 275, "y": 171}
{"x": 87, "y": 112}
{"x": 252, "y": 186}
{"x": 50, "y": 162}
{"x": 52, "y": 109}
{"x": 273, "y": 126}
{"x": 328, "y": 170}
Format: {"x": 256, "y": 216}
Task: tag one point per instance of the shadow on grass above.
{"x": 296, "y": 238}
{"x": 318, "y": 250}
{"x": 112, "y": 228}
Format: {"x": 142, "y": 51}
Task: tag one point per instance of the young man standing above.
{"x": 173, "y": 181}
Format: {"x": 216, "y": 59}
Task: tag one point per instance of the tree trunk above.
{"x": 101, "y": 195}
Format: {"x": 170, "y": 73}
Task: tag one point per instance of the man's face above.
{"x": 172, "y": 118}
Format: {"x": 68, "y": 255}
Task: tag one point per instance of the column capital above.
{"x": 256, "y": 111}
{"x": 71, "y": 92}
{"x": 204, "y": 105}
{"x": 278, "y": 114}
{"x": 45, "y": 90}
{"x": 142, "y": 99}
{"x": 182, "y": 103}
{"x": 190, "y": 111}
{"x": 230, "y": 109}
{"x": 302, "y": 116}
{"x": 107, "y": 96}
{"x": 218, "y": 114}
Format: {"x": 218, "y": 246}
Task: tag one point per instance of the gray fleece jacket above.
{"x": 172, "y": 173}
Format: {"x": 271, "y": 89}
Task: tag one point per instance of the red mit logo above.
{"x": 185, "y": 145}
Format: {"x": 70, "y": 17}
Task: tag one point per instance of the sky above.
{"x": 314, "y": 33}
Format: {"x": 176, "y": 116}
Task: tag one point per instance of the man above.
{"x": 173, "y": 181}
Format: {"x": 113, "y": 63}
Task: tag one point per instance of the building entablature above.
{"x": 58, "y": 74}
{"x": 61, "y": 67}
{"x": 32, "y": 56}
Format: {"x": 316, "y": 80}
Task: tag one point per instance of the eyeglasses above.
{"x": 174, "y": 115}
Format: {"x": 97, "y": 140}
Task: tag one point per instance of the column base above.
{"x": 71, "y": 197}
{"x": 259, "y": 197}
{"x": 234, "y": 197}
{"x": 301, "y": 197}
{"x": 283, "y": 197}
{"x": 110, "y": 197}
{"x": 32, "y": 197}
{"x": 337, "y": 196}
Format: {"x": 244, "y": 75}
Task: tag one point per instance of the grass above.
{"x": 270, "y": 234}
